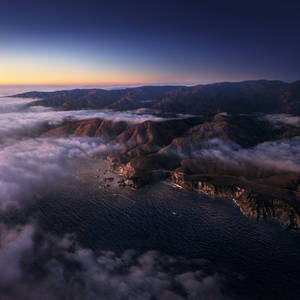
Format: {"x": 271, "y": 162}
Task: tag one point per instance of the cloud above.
{"x": 46, "y": 266}
{"x": 34, "y": 116}
{"x": 15, "y": 242}
{"x": 286, "y": 119}
{"x": 32, "y": 164}
{"x": 16, "y": 115}
{"x": 280, "y": 155}
{"x": 13, "y": 104}
{"x": 28, "y": 165}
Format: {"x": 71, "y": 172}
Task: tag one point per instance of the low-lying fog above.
{"x": 16, "y": 114}
{"x": 282, "y": 155}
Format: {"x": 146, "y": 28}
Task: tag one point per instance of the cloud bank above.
{"x": 36, "y": 163}
{"x": 286, "y": 119}
{"x": 35, "y": 116}
{"x": 35, "y": 265}
{"x": 281, "y": 155}
{"x": 13, "y": 104}
{"x": 17, "y": 116}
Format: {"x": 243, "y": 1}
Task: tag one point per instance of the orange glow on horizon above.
{"x": 85, "y": 79}
{"x": 80, "y": 83}
{"x": 72, "y": 79}
{"x": 19, "y": 71}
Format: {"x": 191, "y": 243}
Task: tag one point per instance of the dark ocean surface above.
{"x": 259, "y": 260}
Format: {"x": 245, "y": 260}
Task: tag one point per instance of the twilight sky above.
{"x": 127, "y": 42}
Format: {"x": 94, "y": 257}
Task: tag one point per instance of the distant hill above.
{"x": 241, "y": 97}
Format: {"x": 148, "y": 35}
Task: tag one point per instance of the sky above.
{"x": 132, "y": 42}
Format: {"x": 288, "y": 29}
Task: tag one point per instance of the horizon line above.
{"x": 139, "y": 83}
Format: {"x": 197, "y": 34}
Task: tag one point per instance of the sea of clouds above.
{"x": 16, "y": 114}
{"x": 37, "y": 265}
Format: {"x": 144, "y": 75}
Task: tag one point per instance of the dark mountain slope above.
{"x": 125, "y": 99}
{"x": 240, "y": 97}
{"x": 106, "y": 129}
{"x": 246, "y": 131}
{"x": 290, "y": 99}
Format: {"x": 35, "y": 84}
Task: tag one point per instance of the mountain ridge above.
{"x": 265, "y": 96}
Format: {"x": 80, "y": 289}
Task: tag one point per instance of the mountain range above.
{"x": 240, "y": 97}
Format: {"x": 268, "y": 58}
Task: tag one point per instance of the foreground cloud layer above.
{"x": 37, "y": 265}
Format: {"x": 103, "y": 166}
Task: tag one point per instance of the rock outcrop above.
{"x": 255, "y": 200}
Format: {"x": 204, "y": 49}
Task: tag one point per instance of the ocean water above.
{"x": 259, "y": 260}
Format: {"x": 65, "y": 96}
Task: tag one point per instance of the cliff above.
{"x": 259, "y": 201}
